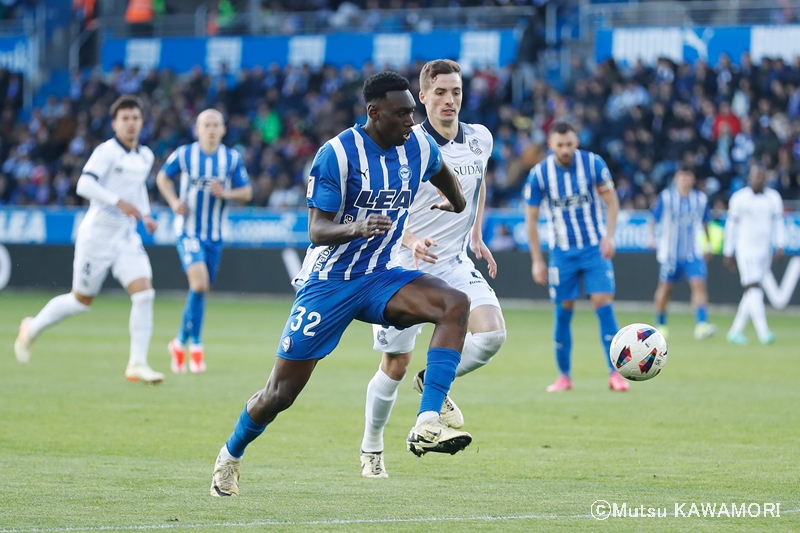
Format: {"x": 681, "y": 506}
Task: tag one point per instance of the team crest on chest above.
{"x": 474, "y": 148}
{"x": 404, "y": 172}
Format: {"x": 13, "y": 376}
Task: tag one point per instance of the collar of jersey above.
{"x": 360, "y": 129}
{"x": 441, "y": 141}
{"x": 128, "y": 150}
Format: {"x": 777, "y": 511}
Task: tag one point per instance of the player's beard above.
{"x": 568, "y": 162}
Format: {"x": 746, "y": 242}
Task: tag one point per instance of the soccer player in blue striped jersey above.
{"x": 683, "y": 213}
{"x": 572, "y": 183}
{"x": 210, "y": 175}
{"x": 361, "y": 185}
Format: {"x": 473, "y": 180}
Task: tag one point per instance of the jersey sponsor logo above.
{"x": 323, "y": 256}
{"x": 202, "y": 181}
{"x": 474, "y": 169}
{"x": 404, "y": 172}
{"x": 573, "y": 200}
{"x": 384, "y": 199}
{"x": 474, "y": 147}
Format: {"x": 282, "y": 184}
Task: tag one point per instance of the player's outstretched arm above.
{"x": 538, "y": 268}
{"x": 420, "y": 248}
{"x": 323, "y": 231}
{"x": 448, "y": 185}
{"x": 240, "y": 194}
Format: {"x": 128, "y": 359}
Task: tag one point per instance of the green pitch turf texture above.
{"x": 81, "y": 449}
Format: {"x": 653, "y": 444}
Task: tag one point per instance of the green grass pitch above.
{"x": 81, "y": 449}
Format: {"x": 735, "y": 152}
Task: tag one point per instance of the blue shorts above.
{"x": 324, "y": 308}
{"x": 568, "y": 268}
{"x": 673, "y": 271}
{"x": 193, "y": 250}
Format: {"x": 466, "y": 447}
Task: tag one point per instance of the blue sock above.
{"x": 245, "y": 432}
{"x": 197, "y": 301}
{"x": 608, "y": 328}
{"x": 439, "y": 375}
{"x": 186, "y": 319}
{"x": 701, "y": 314}
{"x": 562, "y": 337}
{"x": 661, "y": 319}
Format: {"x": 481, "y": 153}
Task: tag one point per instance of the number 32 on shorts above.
{"x": 313, "y": 320}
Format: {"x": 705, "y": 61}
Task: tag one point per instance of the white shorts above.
{"x": 752, "y": 269}
{"x": 96, "y": 252}
{"x": 461, "y": 274}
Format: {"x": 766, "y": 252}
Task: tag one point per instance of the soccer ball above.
{"x": 638, "y": 352}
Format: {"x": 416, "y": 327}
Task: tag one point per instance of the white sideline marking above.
{"x": 259, "y": 523}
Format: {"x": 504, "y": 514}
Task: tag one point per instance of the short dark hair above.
{"x": 561, "y": 127}
{"x": 434, "y": 68}
{"x": 126, "y": 101}
{"x": 377, "y": 85}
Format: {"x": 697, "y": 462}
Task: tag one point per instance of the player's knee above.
{"x": 277, "y": 397}
{"x": 457, "y": 307}
{"x": 199, "y": 287}
{"x": 489, "y": 342}
{"x": 147, "y": 295}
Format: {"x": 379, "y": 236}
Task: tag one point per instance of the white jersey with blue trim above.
{"x": 198, "y": 171}
{"x": 682, "y": 219}
{"x": 353, "y": 177}
{"x": 467, "y": 155}
{"x": 573, "y": 206}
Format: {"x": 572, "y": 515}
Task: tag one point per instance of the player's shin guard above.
{"x": 439, "y": 375}
{"x": 141, "y": 325}
{"x": 197, "y": 302}
{"x": 55, "y": 311}
{"x": 245, "y": 432}
{"x": 608, "y": 328}
{"x": 381, "y": 395}
{"x": 479, "y": 348}
{"x": 562, "y": 338}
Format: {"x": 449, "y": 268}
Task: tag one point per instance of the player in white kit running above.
{"x": 753, "y": 230}
{"x": 439, "y": 240}
{"x": 114, "y": 181}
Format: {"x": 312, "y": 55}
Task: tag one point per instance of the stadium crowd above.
{"x": 646, "y": 122}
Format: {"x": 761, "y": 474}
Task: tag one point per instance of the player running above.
{"x": 361, "y": 186}
{"x": 114, "y": 182}
{"x": 753, "y": 229}
{"x": 210, "y": 175}
{"x": 682, "y": 212}
{"x": 581, "y": 247}
{"x": 439, "y": 239}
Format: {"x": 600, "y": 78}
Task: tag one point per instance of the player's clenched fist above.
{"x": 374, "y": 225}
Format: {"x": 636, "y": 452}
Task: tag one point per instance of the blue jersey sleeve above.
{"x": 706, "y": 212}
{"x": 658, "y": 208}
{"x": 435, "y": 161}
{"x": 602, "y": 175}
{"x": 239, "y": 177}
{"x": 534, "y": 187}
{"x": 324, "y": 181}
{"x": 173, "y": 165}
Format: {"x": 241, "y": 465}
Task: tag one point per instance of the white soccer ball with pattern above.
{"x": 638, "y": 352}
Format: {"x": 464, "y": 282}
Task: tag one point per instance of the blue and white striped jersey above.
{"x": 681, "y": 220}
{"x": 198, "y": 171}
{"x": 573, "y": 207}
{"x": 353, "y": 177}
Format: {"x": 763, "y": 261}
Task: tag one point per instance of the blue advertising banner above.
{"x": 181, "y": 54}
{"x": 688, "y": 44}
{"x": 264, "y": 228}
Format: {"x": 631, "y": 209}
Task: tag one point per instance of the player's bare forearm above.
{"x": 532, "y": 224}
{"x": 167, "y": 189}
{"x": 323, "y": 231}
{"x": 241, "y": 194}
{"x": 609, "y": 196}
{"x": 477, "y": 226}
{"x": 447, "y": 183}
{"x": 409, "y": 239}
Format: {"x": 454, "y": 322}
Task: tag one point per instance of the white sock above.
{"x": 226, "y": 455}
{"x": 479, "y": 350}
{"x": 742, "y": 314}
{"x": 141, "y": 325}
{"x": 424, "y": 416}
{"x": 381, "y": 395}
{"x": 757, "y": 312}
{"x": 55, "y": 311}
